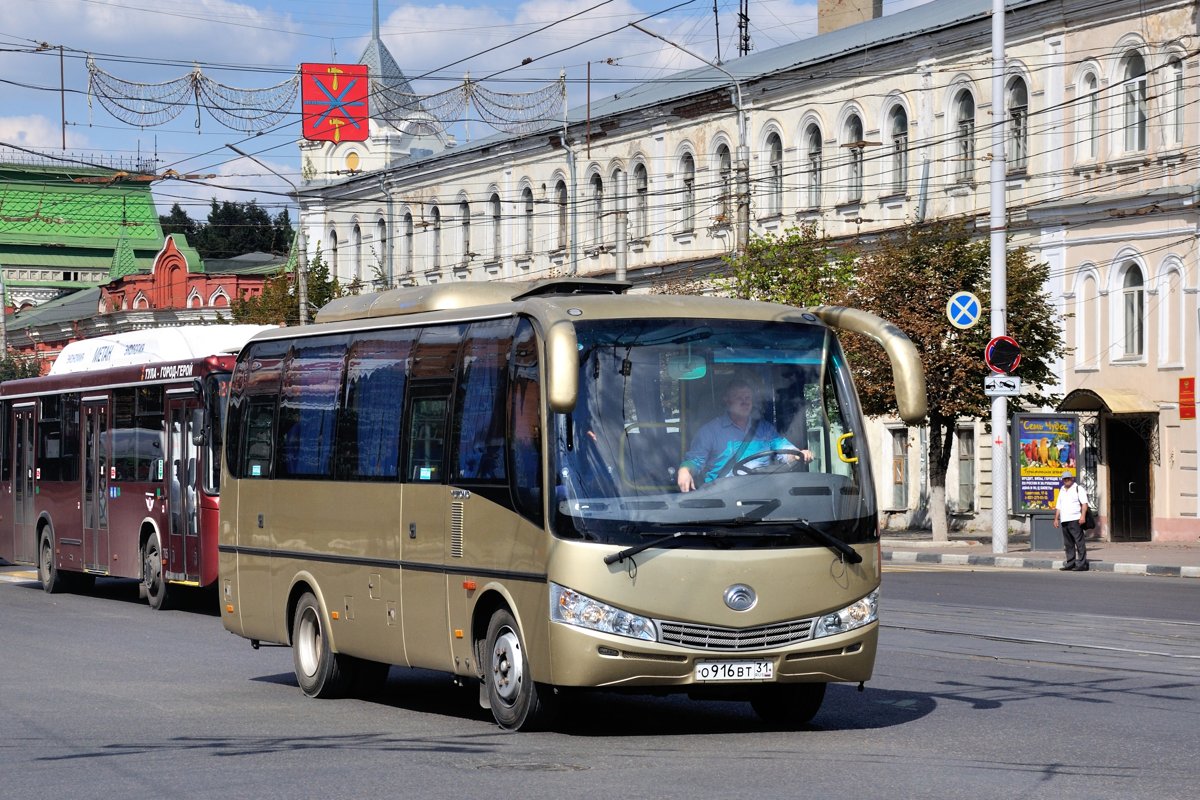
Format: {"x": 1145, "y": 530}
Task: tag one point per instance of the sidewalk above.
{"x": 1169, "y": 559}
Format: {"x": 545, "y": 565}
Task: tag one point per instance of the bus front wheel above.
{"x": 319, "y": 671}
{"x": 789, "y": 705}
{"x": 517, "y": 702}
{"x": 153, "y": 584}
{"x": 52, "y": 580}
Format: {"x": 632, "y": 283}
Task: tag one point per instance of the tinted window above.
{"x": 58, "y": 438}
{"x": 482, "y": 386}
{"x": 308, "y": 409}
{"x": 139, "y": 431}
{"x": 526, "y": 424}
{"x": 426, "y": 438}
{"x": 259, "y": 373}
{"x": 372, "y": 407}
{"x": 258, "y": 437}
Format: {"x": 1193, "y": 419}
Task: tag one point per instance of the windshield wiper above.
{"x": 621, "y": 555}
{"x": 832, "y": 542}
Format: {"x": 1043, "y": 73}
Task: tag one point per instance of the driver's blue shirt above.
{"x": 721, "y": 439}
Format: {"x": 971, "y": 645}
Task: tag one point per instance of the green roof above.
{"x": 50, "y": 205}
{"x": 123, "y": 261}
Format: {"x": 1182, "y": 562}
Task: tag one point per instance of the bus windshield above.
{"x": 744, "y": 431}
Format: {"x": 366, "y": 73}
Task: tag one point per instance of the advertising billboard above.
{"x": 1044, "y": 447}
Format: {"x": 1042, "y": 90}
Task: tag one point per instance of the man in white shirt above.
{"x": 1070, "y": 510}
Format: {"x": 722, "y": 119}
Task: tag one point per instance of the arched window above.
{"x": 812, "y": 169}
{"x": 724, "y": 185}
{"x": 560, "y": 193}
{"x": 464, "y": 222}
{"x": 497, "y": 230}
{"x": 641, "y": 202}
{"x": 687, "y": 193}
{"x": 1176, "y": 102}
{"x": 382, "y": 256}
{"x": 774, "y": 182}
{"x": 1089, "y": 117}
{"x": 964, "y": 136}
{"x": 1087, "y": 324}
{"x": 435, "y": 244}
{"x": 853, "y": 143}
{"x": 898, "y": 131}
{"x": 1017, "y": 99}
{"x": 1133, "y": 103}
{"x": 408, "y": 241}
{"x": 597, "y": 184}
{"x": 527, "y": 228}
{"x": 1133, "y": 308}
{"x": 356, "y": 252}
{"x": 334, "y": 266}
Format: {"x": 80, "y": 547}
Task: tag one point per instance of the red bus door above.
{"x": 95, "y": 486}
{"x": 183, "y": 539}
{"x": 24, "y": 487}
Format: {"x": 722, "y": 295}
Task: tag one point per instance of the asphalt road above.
{"x": 988, "y": 684}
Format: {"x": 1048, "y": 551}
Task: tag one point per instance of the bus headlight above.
{"x": 572, "y": 608}
{"x": 853, "y": 616}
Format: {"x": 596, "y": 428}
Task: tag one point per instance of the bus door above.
{"x": 426, "y": 501}
{"x": 24, "y": 485}
{"x": 182, "y": 560}
{"x": 96, "y": 460}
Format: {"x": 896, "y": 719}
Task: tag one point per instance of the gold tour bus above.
{"x": 557, "y": 485}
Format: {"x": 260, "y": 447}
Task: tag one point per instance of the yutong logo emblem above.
{"x": 740, "y": 597}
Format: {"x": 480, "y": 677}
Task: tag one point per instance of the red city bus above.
{"x": 115, "y": 471}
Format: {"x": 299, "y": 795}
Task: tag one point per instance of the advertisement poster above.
{"x": 1044, "y": 447}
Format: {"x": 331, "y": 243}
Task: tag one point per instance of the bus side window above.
{"x": 258, "y": 438}
{"x": 525, "y": 424}
{"x": 480, "y": 451}
{"x": 426, "y": 431}
{"x": 5, "y": 445}
{"x": 368, "y": 441}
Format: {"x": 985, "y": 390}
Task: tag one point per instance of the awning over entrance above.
{"x": 1114, "y": 401}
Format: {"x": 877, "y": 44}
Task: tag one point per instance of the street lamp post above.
{"x": 301, "y": 242}
{"x": 742, "y": 167}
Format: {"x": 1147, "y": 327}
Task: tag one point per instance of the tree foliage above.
{"x": 12, "y": 368}
{"x": 279, "y": 305}
{"x": 232, "y": 229}
{"x": 908, "y": 280}
{"x": 800, "y": 268}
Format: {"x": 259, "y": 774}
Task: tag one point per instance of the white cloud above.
{"x": 36, "y": 130}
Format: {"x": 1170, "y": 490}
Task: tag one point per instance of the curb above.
{"x": 1018, "y": 562}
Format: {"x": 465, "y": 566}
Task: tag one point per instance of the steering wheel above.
{"x": 741, "y": 466}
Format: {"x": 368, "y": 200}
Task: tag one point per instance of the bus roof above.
{"x": 152, "y": 346}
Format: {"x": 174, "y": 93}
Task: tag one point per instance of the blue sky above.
{"x": 255, "y": 44}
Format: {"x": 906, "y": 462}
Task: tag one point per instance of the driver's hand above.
{"x": 808, "y": 455}
{"x": 684, "y": 480}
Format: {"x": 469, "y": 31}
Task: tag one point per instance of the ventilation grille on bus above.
{"x": 456, "y": 530}
{"x": 705, "y": 637}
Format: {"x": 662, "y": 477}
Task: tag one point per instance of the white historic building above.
{"x": 863, "y": 129}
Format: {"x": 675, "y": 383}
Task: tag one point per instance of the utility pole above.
{"x": 742, "y": 165}
{"x": 999, "y": 287}
{"x": 301, "y": 242}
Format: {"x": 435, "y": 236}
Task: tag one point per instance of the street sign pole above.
{"x": 999, "y": 283}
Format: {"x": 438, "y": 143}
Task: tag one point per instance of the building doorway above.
{"x": 1128, "y": 457}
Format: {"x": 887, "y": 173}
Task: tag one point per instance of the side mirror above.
{"x": 198, "y": 390}
{"x": 199, "y": 433}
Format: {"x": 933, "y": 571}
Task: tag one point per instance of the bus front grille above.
{"x": 707, "y": 637}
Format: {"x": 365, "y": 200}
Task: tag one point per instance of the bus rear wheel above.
{"x": 516, "y": 701}
{"x": 153, "y": 584}
{"x": 52, "y": 580}
{"x": 788, "y": 705}
{"x": 319, "y": 671}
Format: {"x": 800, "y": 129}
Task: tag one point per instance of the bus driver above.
{"x": 728, "y": 439}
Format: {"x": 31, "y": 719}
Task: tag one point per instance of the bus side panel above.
{"x": 258, "y": 610}
{"x": 495, "y": 536}
{"x": 208, "y": 514}
{"x": 58, "y": 501}
{"x": 351, "y": 531}
{"x": 424, "y": 532}
{"x": 130, "y": 505}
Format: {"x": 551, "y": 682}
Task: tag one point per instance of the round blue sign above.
{"x": 964, "y": 310}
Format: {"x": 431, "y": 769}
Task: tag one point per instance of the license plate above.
{"x": 758, "y": 670}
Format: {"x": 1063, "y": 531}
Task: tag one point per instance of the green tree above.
{"x": 278, "y": 304}
{"x": 12, "y": 368}
{"x": 800, "y": 268}
{"x": 908, "y": 279}
{"x": 178, "y": 221}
